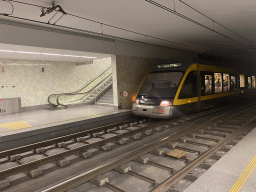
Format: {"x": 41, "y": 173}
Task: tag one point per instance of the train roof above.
{"x": 184, "y": 63}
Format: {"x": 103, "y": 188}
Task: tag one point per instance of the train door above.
{"x": 207, "y": 88}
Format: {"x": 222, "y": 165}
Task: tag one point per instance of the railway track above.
{"x": 169, "y": 164}
{"x": 30, "y": 163}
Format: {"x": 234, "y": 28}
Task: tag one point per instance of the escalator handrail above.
{"x": 76, "y": 92}
{"x": 58, "y": 103}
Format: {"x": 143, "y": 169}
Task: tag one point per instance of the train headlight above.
{"x": 165, "y": 103}
{"x": 137, "y": 101}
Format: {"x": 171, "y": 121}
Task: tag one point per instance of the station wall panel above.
{"x": 34, "y": 86}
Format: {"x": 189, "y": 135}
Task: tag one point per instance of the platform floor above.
{"x": 37, "y": 118}
{"x": 236, "y": 168}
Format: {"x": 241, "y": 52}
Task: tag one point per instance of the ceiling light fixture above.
{"x": 49, "y": 54}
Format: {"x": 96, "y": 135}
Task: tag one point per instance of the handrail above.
{"x": 79, "y": 89}
{"x": 59, "y": 103}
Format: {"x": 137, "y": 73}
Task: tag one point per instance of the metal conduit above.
{"x": 102, "y": 24}
{"x": 189, "y": 19}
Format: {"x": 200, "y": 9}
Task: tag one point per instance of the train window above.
{"x": 189, "y": 87}
{"x": 206, "y": 84}
{"x": 161, "y": 85}
{"x": 249, "y": 83}
{"x": 242, "y": 83}
{"x": 253, "y": 82}
{"x": 226, "y": 82}
{"x": 233, "y": 83}
{"x": 218, "y": 82}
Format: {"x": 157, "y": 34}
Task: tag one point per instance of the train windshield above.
{"x": 161, "y": 85}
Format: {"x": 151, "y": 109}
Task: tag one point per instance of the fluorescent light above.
{"x": 49, "y": 54}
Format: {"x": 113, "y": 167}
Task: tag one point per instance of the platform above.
{"x": 234, "y": 172}
{"x": 33, "y": 126}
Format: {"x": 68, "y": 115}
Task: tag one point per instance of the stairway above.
{"x": 106, "y": 99}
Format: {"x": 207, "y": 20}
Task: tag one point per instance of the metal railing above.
{"x": 79, "y": 96}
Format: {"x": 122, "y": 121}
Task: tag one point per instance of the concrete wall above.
{"x": 43, "y": 36}
{"x": 34, "y": 86}
{"x": 132, "y": 61}
{"x": 134, "y": 49}
{"x": 130, "y": 73}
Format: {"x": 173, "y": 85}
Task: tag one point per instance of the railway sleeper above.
{"x": 228, "y": 126}
{"x": 191, "y": 178}
{"x": 62, "y": 162}
{"x": 100, "y": 180}
{"x": 166, "y": 126}
{"x": 147, "y": 132}
{"x": 206, "y": 138}
{"x": 14, "y": 157}
{"x": 4, "y": 183}
{"x": 174, "y": 123}
{"x": 158, "y": 152}
{"x": 35, "y": 172}
{"x": 200, "y": 144}
{"x": 109, "y": 131}
{"x": 215, "y": 157}
{"x": 132, "y": 128}
{"x": 61, "y": 145}
{"x": 122, "y": 141}
{"x": 216, "y": 134}
{"x": 106, "y": 147}
{"x": 40, "y": 150}
{"x": 172, "y": 145}
{"x": 223, "y": 130}
{"x": 85, "y": 154}
{"x": 181, "y": 120}
{"x": 172, "y": 190}
{"x": 224, "y": 149}
{"x": 158, "y": 128}
{"x": 205, "y": 166}
{"x": 136, "y": 136}
{"x": 123, "y": 169}
{"x": 142, "y": 160}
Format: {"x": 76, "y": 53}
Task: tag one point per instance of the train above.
{"x": 177, "y": 88}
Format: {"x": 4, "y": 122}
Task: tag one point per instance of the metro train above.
{"x": 174, "y": 89}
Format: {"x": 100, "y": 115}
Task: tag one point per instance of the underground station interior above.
{"x": 148, "y": 95}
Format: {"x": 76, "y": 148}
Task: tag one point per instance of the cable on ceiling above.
{"x": 174, "y": 5}
{"x": 189, "y": 19}
{"x": 6, "y": 14}
{"x": 99, "y": 34}
{"x": 103, "y": 24}
{"x": 212, "y": 19}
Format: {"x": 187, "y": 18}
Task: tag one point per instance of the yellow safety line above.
{"x": 243, "y": 178}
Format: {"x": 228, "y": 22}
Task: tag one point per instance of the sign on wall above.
{"x": 9, "y": 91}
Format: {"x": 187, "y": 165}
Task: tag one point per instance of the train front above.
{"x": 157, "y": 93}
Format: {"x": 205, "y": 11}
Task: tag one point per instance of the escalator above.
{"x": 89, "y": 94}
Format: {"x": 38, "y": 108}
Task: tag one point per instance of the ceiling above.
{"x": 47, "y": 54}
{"x": 220, "y": 27}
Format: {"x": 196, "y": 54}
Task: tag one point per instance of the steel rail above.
{"x": 198, "y": 160}
{"x": 52, "y": 158}
{"x": 78, "y": 180}
{"x": 49, "y": 142}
